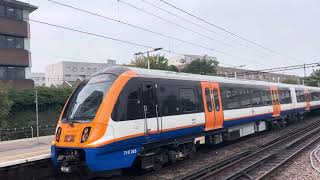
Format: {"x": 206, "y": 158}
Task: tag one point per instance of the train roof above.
{"x": 195, "y": 77}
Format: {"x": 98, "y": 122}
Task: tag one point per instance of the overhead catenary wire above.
{"x": 278, "y": 69}
{"x": 101, "y": 36}
{"x": 135, "y": 26}
{"x": 183, "y": 27}
{"x": 228, "y": 31}
{"x": 151, "y": 31}
{"x": 200, "y": 26}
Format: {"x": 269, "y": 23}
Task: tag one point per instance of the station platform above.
{"x": 24, "y": 150}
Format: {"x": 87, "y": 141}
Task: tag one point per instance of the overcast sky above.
{"x": 290, "y": 27}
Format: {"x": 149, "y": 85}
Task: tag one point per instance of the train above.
{"x": 124, "y": 116}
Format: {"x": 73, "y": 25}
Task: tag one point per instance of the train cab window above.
{"x": 129, "y": 106}
{"x": 208, "y": 99}
{"x": 168, "y": 100}
{"x": 87, "y": 98}
{"x": 187, "y": 100}
{"x": 216, "y": 99}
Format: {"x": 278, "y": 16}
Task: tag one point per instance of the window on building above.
{"x": 68, "y": 69}
{"x": 10, "y": 12}
{"x": 95, "y": 70}
{"x": 19, "y": 43}
{"x": 2, "y": 41}
{"x": 10, "y": 42}
{"x": 82, "y": 69}
{"x": 74, "y": 69}
{"x": 19, "y": 14}
{"x": 187, "y": 100}
{"x": 12, "y": 73}
{"x": 89, "y": 70}
{"x": 2, "y": 11}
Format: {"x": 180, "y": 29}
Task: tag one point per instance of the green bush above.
{"x": 47, "y": 97}
{"x": 5, "y": 105}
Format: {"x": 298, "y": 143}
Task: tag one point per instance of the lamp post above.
{"x": 148, "y": 52}
{"x": 235, "y": 70}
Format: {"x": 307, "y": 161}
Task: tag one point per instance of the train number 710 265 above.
{"x": 130, "y": 151}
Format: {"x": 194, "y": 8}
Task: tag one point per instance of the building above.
{"x": 255, "y": 75}
{"x": 15, "y": 59}
{"x": 38, "y": 78}
{"x": 67, "y": 72}
{"x": 181, "y": 61}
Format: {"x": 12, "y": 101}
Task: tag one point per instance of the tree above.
{"x": 5, "y": 104}
{"x": 156, "y": 62}
{"x": 313, "y": 79}
{"x": 202, "y": 66}
{"x": 290, "y": 81}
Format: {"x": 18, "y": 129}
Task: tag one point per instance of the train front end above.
{"x": 83, "y": 138}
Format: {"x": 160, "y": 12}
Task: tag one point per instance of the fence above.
{"x": 26, "y": 132}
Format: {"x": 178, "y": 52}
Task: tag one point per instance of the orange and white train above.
{"x": 125, "y": 116}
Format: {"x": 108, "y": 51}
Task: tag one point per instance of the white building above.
{"x": 38, "y": 78}
{"x": 182, "y": 60}
{"x": 67, "y": 71}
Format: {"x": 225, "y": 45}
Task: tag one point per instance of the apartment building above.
{"x": 233, "y": 72}
{"x": 15, "y": 60}
{"x": 69, "y": 72}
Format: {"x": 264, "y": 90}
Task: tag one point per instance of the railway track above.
{"x": 262, "y": 162}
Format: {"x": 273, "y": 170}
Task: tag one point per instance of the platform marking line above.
{"x": 22, "y": 155}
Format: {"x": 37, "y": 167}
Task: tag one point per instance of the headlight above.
{"x": 85, "y": 134}
{"x": 58, "y": 134}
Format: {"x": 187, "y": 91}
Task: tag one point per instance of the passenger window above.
{"x": 128, "y": 105}
{"x": 245, "y": 100}
{"x": 266, "y": 98}
{"x": 256, "y": 97}
{"x": 216, "y": 100}
{"x": 208, "y": 99}
{"x": 149, "y": 98}
{"x": 168, "y": 97}
{"x": 187, "y": 100}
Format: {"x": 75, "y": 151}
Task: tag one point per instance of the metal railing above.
{"x": 26, "y": 132}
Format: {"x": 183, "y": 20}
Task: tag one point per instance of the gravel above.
{"x": 298, "y": 168}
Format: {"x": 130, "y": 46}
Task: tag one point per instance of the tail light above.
{"x": 85, "y": 134}
{"x": 58, "y": 134}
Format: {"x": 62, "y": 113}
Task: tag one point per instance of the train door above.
{"x": 212, "y": 105}
{"x": 307, "y": 96}
{"x": 275, "y": 101}
{"x": 150, "y": 108}
{"x": 217, "y": 105}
